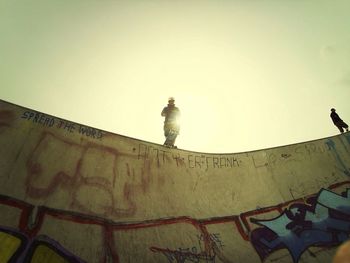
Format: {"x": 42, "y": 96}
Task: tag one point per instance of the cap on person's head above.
{"x": 171, "y": 99}
{"x": 332, "y": 109}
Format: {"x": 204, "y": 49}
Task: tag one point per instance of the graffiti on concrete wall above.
{"x": 185, "y": 254}
{"x": 198, "y": 161}
{"x": 324, "y": 220}
{"x": 17, "y": 247}
{"x": 321, "y": 219}
{"x": 76, "y": 179}
{"x": 229, "y": 161}
{"x": 196, "y": 253}
{"x": 117, "y": 186}
{"x": 67, "y": 126}
{"x": 73, "y": 177}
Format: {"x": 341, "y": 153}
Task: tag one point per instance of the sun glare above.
{"x": 198, "y": 122}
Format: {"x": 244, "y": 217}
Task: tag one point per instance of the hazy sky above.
{"x": 246, "y": 74}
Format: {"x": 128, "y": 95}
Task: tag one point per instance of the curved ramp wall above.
{"x": 72, "y": 193}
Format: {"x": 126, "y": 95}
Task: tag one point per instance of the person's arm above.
{"x": 164, "y": 111}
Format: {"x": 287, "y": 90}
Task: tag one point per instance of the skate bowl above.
{"x": 73, "y": 193}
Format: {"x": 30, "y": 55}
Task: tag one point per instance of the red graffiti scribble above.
{"x": 229, "y": 219}
{"x": 78, "y": 172}
{"x": 74, "y": 177}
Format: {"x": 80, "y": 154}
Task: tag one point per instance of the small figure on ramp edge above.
{"x": 338, "y": 121}
{"x": 171, "y": 123}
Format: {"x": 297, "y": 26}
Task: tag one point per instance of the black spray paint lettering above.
{"x": 90, "y": 132}
{"x": 201, "y": 161}
{"x": 65, "y": 125}
{"x": 71, "y": 127}
{"x": 39, "y": 118}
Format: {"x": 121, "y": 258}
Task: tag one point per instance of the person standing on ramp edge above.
{"x": 338, "y": 122}
{"x": 171, "y": 123}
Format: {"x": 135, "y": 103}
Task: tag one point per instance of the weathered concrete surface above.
{"x": 71, "y": 193}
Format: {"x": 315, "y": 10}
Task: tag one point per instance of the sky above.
{"x": 245, "y": 74}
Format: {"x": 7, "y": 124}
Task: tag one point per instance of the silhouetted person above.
{"x": 171, "y": 123}
{"x": 338, "y": 122}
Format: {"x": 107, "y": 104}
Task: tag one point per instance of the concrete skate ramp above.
{"x": 72, "y": 193}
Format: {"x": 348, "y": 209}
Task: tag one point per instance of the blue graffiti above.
{"x": 323, "y": 221}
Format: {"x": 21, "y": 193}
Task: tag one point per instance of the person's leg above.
{"x": 339, "y": 126}
{"x": 173, "y": 139}
{"x": 346, "y": 126}
{"x": 166, "y": 134}
{"x": 170, "y": 140}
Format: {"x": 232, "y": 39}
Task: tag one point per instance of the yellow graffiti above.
{"x": 8, "y": 246}
{"x": 45, "y": 254}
